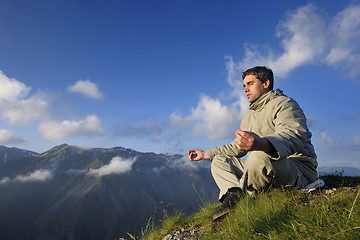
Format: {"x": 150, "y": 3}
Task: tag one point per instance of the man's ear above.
{"x": 267, "y": 83}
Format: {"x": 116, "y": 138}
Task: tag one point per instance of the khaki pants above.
{"x": 255, "y": 173}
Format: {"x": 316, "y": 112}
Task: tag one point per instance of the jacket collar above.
{"x": 260, "y": 103}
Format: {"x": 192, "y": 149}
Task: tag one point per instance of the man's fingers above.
{"x": 245, "y": 140}
{"x": 195, "y": 155}
{"x": 242, "y": 142}
{"x": 242, "y": 134}
{"x": 191, "y": 154}
{"x": 242, "y": 146}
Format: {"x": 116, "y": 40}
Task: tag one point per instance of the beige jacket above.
{"x": 280, "y": 120}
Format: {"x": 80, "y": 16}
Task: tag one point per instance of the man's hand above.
{"x": 196, "y": 155}
{"x": 249, "y": 141}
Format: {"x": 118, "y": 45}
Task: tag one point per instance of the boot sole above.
{"x": 219, "y": 215}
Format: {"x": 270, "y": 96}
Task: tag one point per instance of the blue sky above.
{"x": 165, "y": 76}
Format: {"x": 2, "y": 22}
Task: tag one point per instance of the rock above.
{"x": 183, "y": 234}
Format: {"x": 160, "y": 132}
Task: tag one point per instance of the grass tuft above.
{"x": 330, "y": 213}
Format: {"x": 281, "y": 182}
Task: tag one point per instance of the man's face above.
{"x": 254, "y": 88}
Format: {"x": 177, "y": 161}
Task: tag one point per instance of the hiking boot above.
{"x": 233, "y": 195}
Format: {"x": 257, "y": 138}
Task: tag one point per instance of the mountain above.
{"x": 8, "y": 154}
{"x": 100, "y": 193}
{"x": 343, "y": 171}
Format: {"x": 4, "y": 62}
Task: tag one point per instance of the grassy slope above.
{"x": 330, "y": 213}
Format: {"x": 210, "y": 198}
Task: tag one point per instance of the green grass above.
{"x": 277, "y": 214}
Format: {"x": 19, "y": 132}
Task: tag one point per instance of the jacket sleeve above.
{"x": 291, "y": 133}
{"x": 227, "y": 149}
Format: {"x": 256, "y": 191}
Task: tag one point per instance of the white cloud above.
{"x": 38, "y": 175}
{"x": 55, "y": 130}
{"x": 15, "y": 108}
{"x": 211, "y": 118}
{"x": 11, "y": 89}
{"x": 117, "y": 165}
{"x": 23, "y": 111}
{"x": 4, "y": 180}
{"x": 307, "y": 37}
{"x": 86, "y": 88}
{"x": 303, "y": 40}
{"x": 7, "y": 137}
{"x": 345, "y": 49}
{"x": 324, "y": 138}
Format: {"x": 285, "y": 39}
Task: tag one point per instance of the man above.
{"x": 275, "y": 136}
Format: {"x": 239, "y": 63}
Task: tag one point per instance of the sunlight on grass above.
{"x": 277, "y": 214}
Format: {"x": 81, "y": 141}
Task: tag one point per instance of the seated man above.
{"x": 276, "y": 138}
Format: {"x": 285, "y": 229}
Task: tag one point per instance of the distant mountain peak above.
{"x": 54, "y": 150}
{"x": 11, "y": 153}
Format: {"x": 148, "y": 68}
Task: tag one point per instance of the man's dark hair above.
{"x": 262, "y": 73}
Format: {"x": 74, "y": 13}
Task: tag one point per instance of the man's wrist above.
{"x": 269, "y": 148}
{"x": 266, "y": 146}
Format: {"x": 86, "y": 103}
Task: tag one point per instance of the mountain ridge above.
{"x": 13, "y": 153}
{"x": 99, "y": 193}
{"x": 10, "y": 153}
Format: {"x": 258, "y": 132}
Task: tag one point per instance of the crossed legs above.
{"x": 253, "y": 174}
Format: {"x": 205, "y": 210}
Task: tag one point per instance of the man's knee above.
{"x": 259, "y": 172}
{"x": 219, "y": 161}
{"x": 223, "y": 164}
{"x": 259, "y": 161}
